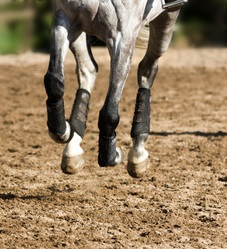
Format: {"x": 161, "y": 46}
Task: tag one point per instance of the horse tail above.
{"x": 143, "y": 37}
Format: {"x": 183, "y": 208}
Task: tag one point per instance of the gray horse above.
{"x": 117, "y": 23}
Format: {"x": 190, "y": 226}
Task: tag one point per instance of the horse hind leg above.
{"x": 86, "y": 70}
{"x": 161, "y": 30}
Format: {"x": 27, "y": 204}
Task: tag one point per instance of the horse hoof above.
{"x": 137, "y": 170}
{"x": 72, "y": 165}
{"x": 121, "y": 155}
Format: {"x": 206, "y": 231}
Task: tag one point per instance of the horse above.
{"x": 117, "y": 23}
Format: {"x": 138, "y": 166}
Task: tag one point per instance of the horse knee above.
{"x": 54, "y": 85}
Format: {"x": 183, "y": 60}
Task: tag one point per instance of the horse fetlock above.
{"x": 120, "y": 157}
{"x": 62, "y": 137}
{"x": 137, "y": 156}
{"x": 107, "y": 151}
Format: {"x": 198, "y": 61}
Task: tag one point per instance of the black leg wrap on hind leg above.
{"x": 80, "y": 110}
{"x": 141, "y": 120}
{"x": 107, "y": 151}
{"x": 56, "y": 117}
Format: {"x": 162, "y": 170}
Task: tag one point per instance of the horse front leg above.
{"x": 109, "y": 154}
{"x": 161, "y": 30}
{"x": 59, "y": 129}
{"x": 86, "y": 70}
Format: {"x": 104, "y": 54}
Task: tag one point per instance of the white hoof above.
{"x": 138, "y": 162}
{"x": 137, "y": 170}
{"x": 72, "y": 165}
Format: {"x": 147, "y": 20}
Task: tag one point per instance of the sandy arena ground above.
{"x": 180, "y": 203}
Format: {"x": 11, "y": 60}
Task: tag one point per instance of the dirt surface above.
{"x": 180, "y": 203}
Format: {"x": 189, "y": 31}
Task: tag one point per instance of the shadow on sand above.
{"x": 192, "y": 133}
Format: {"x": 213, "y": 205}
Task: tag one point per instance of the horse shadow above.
{"x": 192, "y": 133}
{"x": 11, "y": 196}
{"x": 53, "y": 189}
